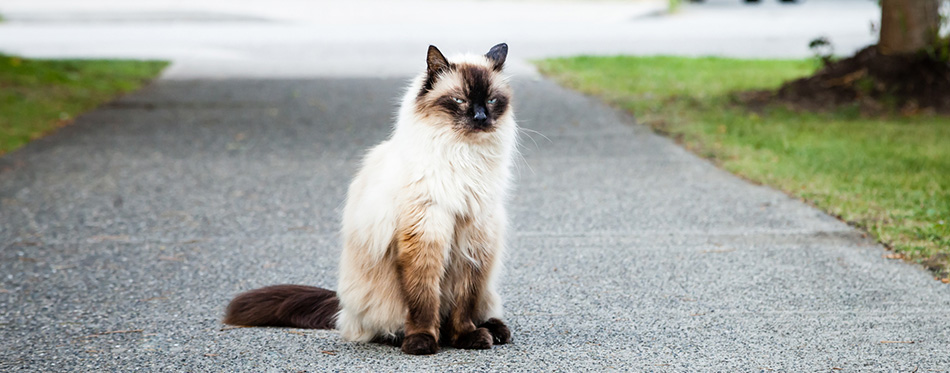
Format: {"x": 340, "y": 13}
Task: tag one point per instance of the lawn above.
{"x": 39, "y": 96}
{"x": 887, "y": 175}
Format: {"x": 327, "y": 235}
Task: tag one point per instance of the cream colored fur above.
{"x": 459, "y": 177}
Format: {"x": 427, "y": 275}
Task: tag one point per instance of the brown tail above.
{"x": 285, "y": 305}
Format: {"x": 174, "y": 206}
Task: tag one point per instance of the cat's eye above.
{"x": 458, "y": 100}
{"x": 492, "y": 101}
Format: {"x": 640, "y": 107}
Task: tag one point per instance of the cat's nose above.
{"x": 480, "y": 115}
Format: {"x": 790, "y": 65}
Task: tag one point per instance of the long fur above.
{"x": 295, "y": 306}
{"x": 423, "y": 226}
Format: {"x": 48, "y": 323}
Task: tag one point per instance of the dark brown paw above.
{"x": 420, "y": 344}
{"x": 478, "y": 339}
{"x": 499, "y": 331}
{"x": 393, "y": 340}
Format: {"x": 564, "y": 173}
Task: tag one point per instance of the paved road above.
{"x": 124, "y": 236}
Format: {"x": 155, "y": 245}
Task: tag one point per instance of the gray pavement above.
{"x": 124, "y": 236}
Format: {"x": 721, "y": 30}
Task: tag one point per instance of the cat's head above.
{"x": 468, "y": 93}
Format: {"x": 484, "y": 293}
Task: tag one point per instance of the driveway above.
{"x": 124, "y": 236}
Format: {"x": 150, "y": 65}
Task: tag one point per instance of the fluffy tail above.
{"x": 285, "y": 305}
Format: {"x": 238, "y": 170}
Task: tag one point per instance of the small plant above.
{"x": 823, "y": 50}
{"x": 940, "y": 51}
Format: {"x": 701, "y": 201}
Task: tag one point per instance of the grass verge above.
{"x": 887, "y": 175}
{"x": 39, "y": 96}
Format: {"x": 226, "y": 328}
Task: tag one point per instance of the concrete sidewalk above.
{"x": 125, "y": 235}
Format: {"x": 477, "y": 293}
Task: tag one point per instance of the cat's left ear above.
{"x": 497, "y": 55}
{"x": 435, "y": 61}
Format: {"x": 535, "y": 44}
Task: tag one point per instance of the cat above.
{"x": 424, "y": 222}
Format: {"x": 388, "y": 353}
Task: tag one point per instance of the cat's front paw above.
{"x": 420, "y": 344}
{"x": 499, "y": 331}
{"x": 478, "y": 339}
{"x": 392, "y": 340}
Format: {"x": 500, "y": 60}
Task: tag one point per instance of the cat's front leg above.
{"x": 478, "y": 322}
{"x": 465, "y": 282}
{"x": 499, "y": 331}
{"x": 422, "y": 242}
{"x": 487, "y": 235}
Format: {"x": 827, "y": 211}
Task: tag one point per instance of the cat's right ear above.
{"x": 435, "y": 61}
{"x": 497, "y": 55}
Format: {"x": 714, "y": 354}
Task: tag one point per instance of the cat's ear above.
{"x": 497, "y": 55}
{"x": 435, "y": 61}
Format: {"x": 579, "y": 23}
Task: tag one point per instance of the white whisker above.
{"x": 528, "y": 131}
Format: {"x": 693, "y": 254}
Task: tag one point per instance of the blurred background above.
{"x": 296, "y": 38}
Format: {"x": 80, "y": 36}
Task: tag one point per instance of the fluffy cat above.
{"x": 424, "y": 222}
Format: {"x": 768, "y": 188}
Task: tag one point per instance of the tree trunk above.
{"x": 908, "y": 26}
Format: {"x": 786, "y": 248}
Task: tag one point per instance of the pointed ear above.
{"x": 497, "y": 55}
{"x": 435, "y": 61}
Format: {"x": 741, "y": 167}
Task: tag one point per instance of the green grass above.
{"x": 889, "y": 175}
{"x": 38, "y": 96}
{"x": 673, "y": 6}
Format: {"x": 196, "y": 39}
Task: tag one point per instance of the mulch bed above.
{"x": 874, "y": 82}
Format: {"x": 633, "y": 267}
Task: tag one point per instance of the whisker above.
{"x": 527, "y": 132}
{"x": 525, "y": 162}
{"x": 539, "y": 133}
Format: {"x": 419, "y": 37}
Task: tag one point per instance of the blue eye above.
{"x": 458, "y": 100}
{"x": 492, "y": 101}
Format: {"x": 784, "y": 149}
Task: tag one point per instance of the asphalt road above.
{"x": 124, "y": 235}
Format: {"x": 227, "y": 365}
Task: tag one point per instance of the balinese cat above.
{"x": 424, "y": 222}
